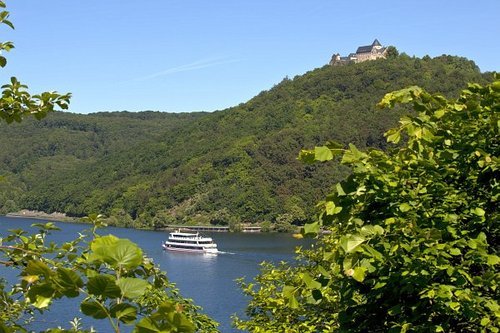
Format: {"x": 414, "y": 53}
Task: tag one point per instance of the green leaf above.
{"x": 117, "y": 252}
{"x": 404, "y": 207}
{"x": 390, "y": 220}
{"x": 340, "y": 189}
{"x": 359, "y": 274}
{"x": 352, "y": 155}
{"x": 103, "y": 285}
{"x": 124, "y": 312}
{"x": 309, "y": 281}
{"x": 100, "y": 247}
{"x": 93, "y": 309}
{"x": 369, "y": 230}
{"x": 289, "y": 294}
{"x": 307, "y": 156}
{"x": 288, "y": 290}
{"x": 393, "y": 135}
{"x": 350, "y": 243}
{"x": 42, "y": 301}
{"x": 46, "y": 226}
{"x": 323, "y": 154}
{"x": 311, "y": 228}
{"x": 293, "y": 303}
{"x": 37, "y": 267}
{"x": 41, "y": 295}
{"x": 127, "y": 254}
{"x": 478, "y": 211}
{"x": 331, "y": 209}
{"x": 68, "y": 281}
{"x": 400, "y": 96}
{"x": 132, "y": 287}
{"x": 493, "y": 260}
{"x": 485, "y": 321}
{"x": 147, "y": 325}
{"x": 454, "y": 306}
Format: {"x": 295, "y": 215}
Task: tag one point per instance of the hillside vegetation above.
{"x": 234, "y": 166}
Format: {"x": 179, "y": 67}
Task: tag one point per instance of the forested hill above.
{"x": 226, "y": 167}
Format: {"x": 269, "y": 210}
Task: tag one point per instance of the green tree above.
{"x": 284, "y": 222}
{"x": 392, "y": 52}
{"x": 414, "y": 234}
{"x": 9, "y": 206}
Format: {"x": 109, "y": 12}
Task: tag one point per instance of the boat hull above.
{"x": 176, "y": 249}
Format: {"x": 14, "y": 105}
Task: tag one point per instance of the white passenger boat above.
{"x": 189, "y": 242}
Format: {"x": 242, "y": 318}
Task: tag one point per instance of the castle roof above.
{"x": 364, "y": 49}
{"x": 368, "y": 48}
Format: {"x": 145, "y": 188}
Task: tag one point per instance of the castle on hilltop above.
{"x": 363, "y": 53}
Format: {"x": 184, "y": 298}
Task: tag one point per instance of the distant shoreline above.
{"x": 62, "y": 217}
{"x": 33, "y": 214}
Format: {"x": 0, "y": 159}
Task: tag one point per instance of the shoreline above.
{"x": 62, "y": 217}
{"x": 31, "y": 214}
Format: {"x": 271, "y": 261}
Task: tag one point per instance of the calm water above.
{"x": 208, "y": 280}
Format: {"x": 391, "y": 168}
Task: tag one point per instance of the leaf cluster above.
{"x": 413, "y": 235}
{"x": 16, "y": 102}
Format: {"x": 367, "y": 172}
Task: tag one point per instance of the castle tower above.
{"x": 376, "y": 44}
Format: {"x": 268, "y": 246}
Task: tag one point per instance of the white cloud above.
{"x": 199, "y": 64}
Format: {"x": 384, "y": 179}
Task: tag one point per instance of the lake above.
{"x": 209, "y": 280}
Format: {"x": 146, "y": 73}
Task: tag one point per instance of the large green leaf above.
{"x": 41, "y": 295}
{"x": 126, "y": 254}
{"x": 359, "y": 274}
{"x": 124, "y": 312}
{"x": 103, "y": 285}
{"x": 331, "y": 209}
{"x": 100, "y": 247}
{"x": 404, "y": 207}
{"x": 132, "y": 287}
{"x": 322, "y": 154}
{"x": 117, "y": 252}
{"x": 309, "y": 281}
{"x": 147, "y": 325}
{"x": 93, "y": 309}
{"x": 311, "y": 228}
{"x": 350, "y": 242}
{"x": 167, "y": 319}
{"x": 37, "y": 267}
{"x": 68, "y": 281}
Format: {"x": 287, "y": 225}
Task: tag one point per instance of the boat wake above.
{"x": 224, "y": 252}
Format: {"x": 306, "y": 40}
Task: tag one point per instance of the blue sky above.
{"x": 188, "y": 55}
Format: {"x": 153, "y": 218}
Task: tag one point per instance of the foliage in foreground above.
{"x": 414, "y": 234}
{"x": 16, "y": 102}
{"x": 117, "y": 282}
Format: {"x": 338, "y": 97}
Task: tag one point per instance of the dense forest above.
{"x": 234, "y": 166}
